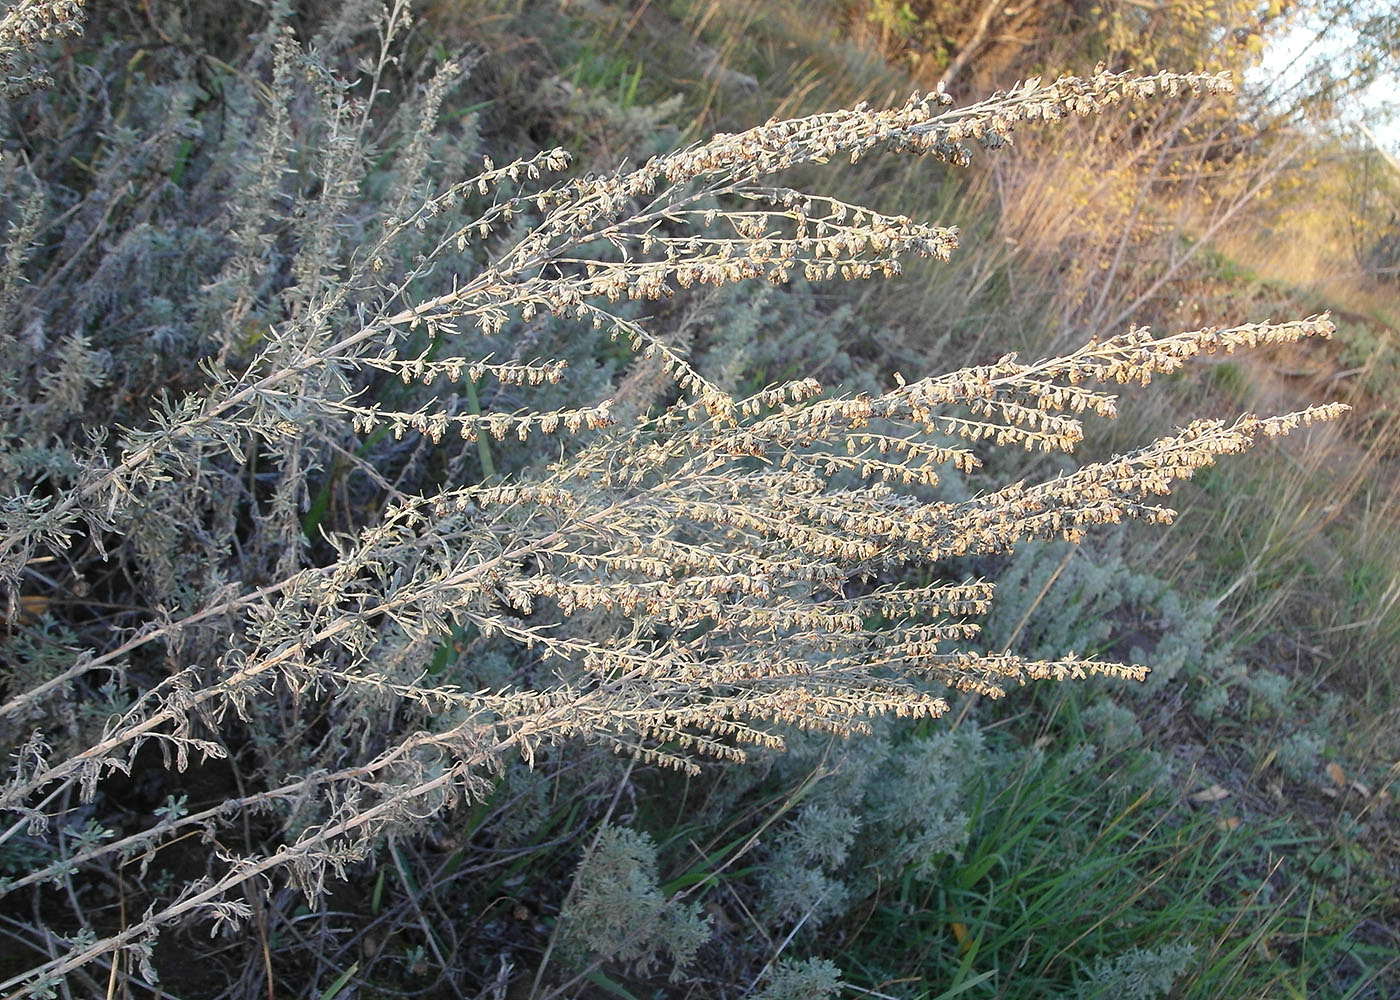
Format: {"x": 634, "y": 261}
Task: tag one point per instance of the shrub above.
{"x": 813, "y": 978}
{"x": 617, "y": 910}
{"x": 292, "y": 577}
{"x": 1140, "y": 974}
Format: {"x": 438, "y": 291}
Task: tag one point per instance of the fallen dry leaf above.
{"x": 27, "y": 610}
{"x": 1212, "y": 794}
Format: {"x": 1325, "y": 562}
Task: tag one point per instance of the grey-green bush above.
{"x": 316, "y": 417}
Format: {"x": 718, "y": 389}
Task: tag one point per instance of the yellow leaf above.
{"x": 28, "y": 609}
{"x": 961, "y": 936}
{"x": 1212, "y": 794}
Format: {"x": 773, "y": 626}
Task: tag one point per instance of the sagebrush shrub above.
{"x": 874, "y": 811}
{"x": 615, "y": 907}
{"x": 318, "y": 418}
{"x": 809, "y": 979}
{"x": 1141, "y": 974}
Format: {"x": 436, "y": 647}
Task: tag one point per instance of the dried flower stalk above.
{"x": 681, "y": 582}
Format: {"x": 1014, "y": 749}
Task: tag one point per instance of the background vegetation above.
{"x": 203, "y": 196}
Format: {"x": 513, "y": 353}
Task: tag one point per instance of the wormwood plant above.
{"x": 675, "y": 569}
